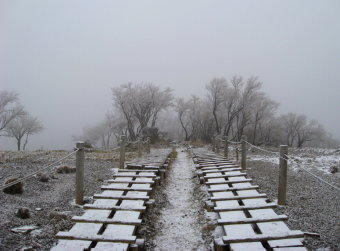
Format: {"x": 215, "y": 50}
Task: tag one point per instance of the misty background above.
{"x": 63, "y": 57}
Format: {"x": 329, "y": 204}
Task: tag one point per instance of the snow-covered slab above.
{"x": 227, "y": 203}
{"x": 223, "y": 181}
{"x": 244, "y": 220}
{"x": 247, "y": 193}
{"x": 145, "y": 187}
{"x": 102, "y": 216}
{"x": 131, "y": 195}
{"x": 242, "y": 185}
{"x": 231, "y": 166}
{"x": 109, "y": 204}
{"x": 219, "y": 175}
{"x": 88, "y": 231}
{"x": 249, "y": 196}
{"x": 121, "y": 179}
{"x": 132, "y": 203}
{"x": 278, "y": 227}
{"x": 73, "y": 245}
{"x": 136, "y": 170}
{"x": 146, "y": 175}
{"x": 222, "y": 194}
{"x": 237, "y": 207}
{"x": 234, "y": 231}
{"x": 124, "y": 187}
{"x": 263, "y": 237}
{"x": 119, "y": 230}
{"x": 248, "y": 187}
{"x": 216, "y": 170}
{"x": 219, "y": 186}
{"x": 251, "y": 246}
{"x": 107, "y": 246}
{"x": 127, "y": 216}
{"x": 144, "y": 180}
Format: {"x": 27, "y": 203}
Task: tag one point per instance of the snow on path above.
{"x": 180, "y": 230}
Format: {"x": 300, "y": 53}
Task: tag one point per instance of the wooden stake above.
{"x": 139, "y": 148}
{"x": 80, "y": 173}
{"x": 122, "y": 151}
{"x": 283, "y": 175}
{"x": 244, "y": 152}
{"x": 226, "y": 147}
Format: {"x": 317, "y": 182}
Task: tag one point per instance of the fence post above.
{"x": 217, "y": 145}
{"x": 148, "y": 145}
{"x": 226, "y": 147}
{"x": 244, "y": 152}
{"x": 80, "y": 155}
{"x": 139, "y": 147}
{"x": 213, "y": 144}
{"x": 282, "y": 175}
{"x": 122, "y": 151}
{"x": 236, "y": 152}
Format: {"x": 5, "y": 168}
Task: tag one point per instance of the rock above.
{"x": 23, "y": 213}
{"x": 43, "y": 177}
{"x": 66, "y": 169}
{"x": 24, "y": 229}
{"x": 17, "y": 188}
{"x": 334, "y": 169}
{"x": 38, "y": 209}
{"x": 58, "y": 215}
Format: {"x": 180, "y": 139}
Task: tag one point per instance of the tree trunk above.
{"x": 26, "y": 141}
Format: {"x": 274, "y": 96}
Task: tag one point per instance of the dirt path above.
{"x": 180, "y": 229}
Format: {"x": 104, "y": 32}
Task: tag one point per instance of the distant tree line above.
{"x": 15, "y": 121}
{"x": 231, "y": 108}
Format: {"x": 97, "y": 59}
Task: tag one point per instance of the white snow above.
{"x": 310, "y": 158}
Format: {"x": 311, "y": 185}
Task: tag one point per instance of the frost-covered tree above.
{"x": 9, "y": 108}
{"x": 140, "y": 105}
{"x": 22, "y": 127}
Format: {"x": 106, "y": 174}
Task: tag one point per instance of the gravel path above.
{"x": 180, "y": 229}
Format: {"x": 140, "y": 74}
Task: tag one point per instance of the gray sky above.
{"x": 63, "y": 56}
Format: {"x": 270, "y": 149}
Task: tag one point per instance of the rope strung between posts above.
{"x": 36, "y": 172}
{"x": 315, "y": 176}
{"x": 322, "y": 180}
{"x": 286, "y": 157}
{"x": 261, "y": 149}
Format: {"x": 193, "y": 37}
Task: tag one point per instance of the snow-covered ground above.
{"x": 309, "y": 158}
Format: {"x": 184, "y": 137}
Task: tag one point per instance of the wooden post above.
{"x": 148, "y": 145}
{"x": 80, "y": 155}
{"x": 217, "y": 144}
{"x": 244, "y": 152}
{"x": 226, "y": 147}
{"x": 139, "y": 148}
{"x": 282, "y": 175}
{"x": 213, "y": 144}
{"x": 236, "y": 152}
{"x": 122, "y": 151}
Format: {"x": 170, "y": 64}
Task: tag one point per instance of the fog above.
{"x": 63, "y": 57}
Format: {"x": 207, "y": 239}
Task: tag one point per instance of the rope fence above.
{"x": 283, "y": 162}
{"x": 36, "y": 172}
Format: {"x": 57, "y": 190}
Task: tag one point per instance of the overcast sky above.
{"x": 64, "y": 56}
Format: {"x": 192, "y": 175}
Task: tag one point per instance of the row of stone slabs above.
{"x": 110, "y": 223}
{"x": 248, "y": 220}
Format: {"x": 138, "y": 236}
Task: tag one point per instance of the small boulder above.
{"x": 66, "y": 169}
{"x": 17, "y": 188}
{"x": 43, "y": 177}
{"x": 23, "y": 213}
{"x": 24, "y": 229}
{"x": 334, "y": 169}
{"x": 58, "y": 216}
